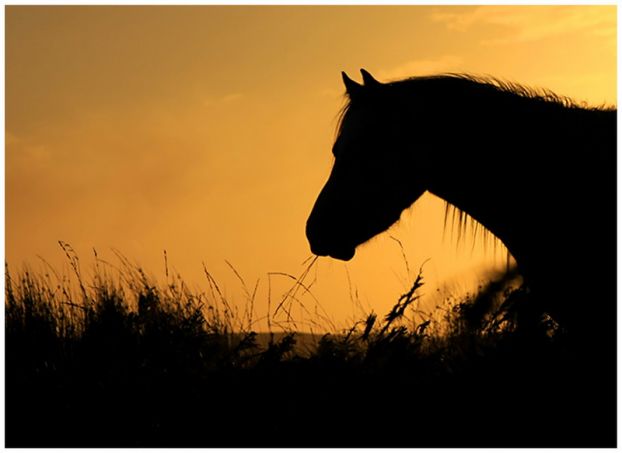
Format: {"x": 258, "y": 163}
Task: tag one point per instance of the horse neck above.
{"x": 500, "y": 166}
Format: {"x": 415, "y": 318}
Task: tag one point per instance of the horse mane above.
{"x": 460, "y": 220}
{"x": 503, "y": 86}
{"x": 489, "y": 84}
{"x": 491, "y": 87}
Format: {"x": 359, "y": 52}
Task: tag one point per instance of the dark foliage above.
{"x": 97, "y": 370}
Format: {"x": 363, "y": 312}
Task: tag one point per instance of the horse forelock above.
{"x": 341, "y": 117}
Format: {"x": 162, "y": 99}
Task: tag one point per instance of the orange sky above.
{"x": 206, "y": 131}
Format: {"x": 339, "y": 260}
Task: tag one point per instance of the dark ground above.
{"x": 163, "y": 376}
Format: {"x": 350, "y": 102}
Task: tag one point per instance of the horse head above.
{"x": 371, "y": 181}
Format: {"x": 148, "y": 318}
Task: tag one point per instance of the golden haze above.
{"x": 206, "y": 131}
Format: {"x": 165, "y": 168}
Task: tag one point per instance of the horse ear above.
{"x": 352, "y": 88}
{"x": 368, "y": 79}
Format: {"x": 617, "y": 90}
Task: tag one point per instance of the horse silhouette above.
{"x": 536, "y": 169}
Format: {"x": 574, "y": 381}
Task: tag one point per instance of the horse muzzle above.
{"x": 323, "y": 246}
{"x": 343, "y": 254}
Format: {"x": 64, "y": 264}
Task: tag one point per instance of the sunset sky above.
{"x": 206, "y": 131}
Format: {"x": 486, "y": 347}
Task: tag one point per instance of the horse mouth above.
{"x": 343, "y": 254}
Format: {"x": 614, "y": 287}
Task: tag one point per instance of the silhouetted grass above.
{"x": 123, "y": 361}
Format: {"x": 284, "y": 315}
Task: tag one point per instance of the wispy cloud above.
{"x": 231, "y": 97}
{"x": 533, "y": 23}
{"x": 420, "y": 67}
{"x": 26, "y": 159}
{"x": 226, "y": 99}
{"x": 10, "y": 138}
{"x": 333, "y": 93}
